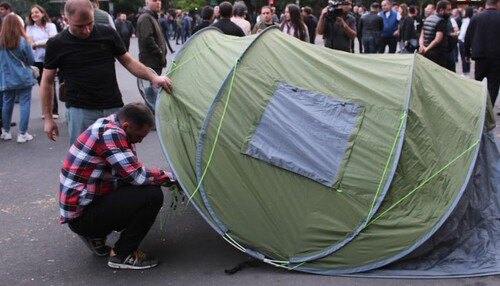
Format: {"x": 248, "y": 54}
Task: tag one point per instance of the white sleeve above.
{"x": 52, "y": 29}
{"x": 111, "y": 22}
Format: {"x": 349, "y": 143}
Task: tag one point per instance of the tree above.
{"x": 189, "y": 5}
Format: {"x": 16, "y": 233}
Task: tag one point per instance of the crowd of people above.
{"x": 101, "y": 175}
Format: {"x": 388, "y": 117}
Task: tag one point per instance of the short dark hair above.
{"x": 469, "y": 12}
{"x": 6, "y": 5}
{"x": 239, "y": 9}
{"x": 375, "y": 5}
{"x": 308, "y": 10}
{"x": 136, "y": 113}
{"x": 412, "y": 9}
{"x": 492, "y": 2}
{"x": 442, "y": 5}
{"x": 225, "y": 9}
{"x": 207, "y": 13}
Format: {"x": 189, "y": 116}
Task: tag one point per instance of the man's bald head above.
{"x": 80, "y": 8}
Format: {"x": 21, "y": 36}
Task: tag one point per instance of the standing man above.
{"x": 103, "y": 187}
{"x": 390, "y": 32}
{"x": 207, "y": 14}
{"x": 311, "y": 22}
{"x": 266, "y": 16}
{"x": 152, "y": 46}
{"x": 434, "y": 38}
{"x": 125, "y": 29}
{"x": 370, "y": 28}
{"x": 339, "y": 29}
{"x": 482, "y": 37}
{"x": 225, "y": 24}
{"x": 85, "y": 53}
{"x": 101, "y": 16}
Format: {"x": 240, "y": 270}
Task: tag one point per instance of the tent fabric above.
{"x": 392, "y": 165}
{"x": 293, "y": 112}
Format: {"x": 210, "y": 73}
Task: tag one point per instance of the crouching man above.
{"x": 103, "y": 187}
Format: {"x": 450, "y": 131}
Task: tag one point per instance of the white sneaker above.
{"x": 55, "y": 116}
{"x": 21, "y": 138}
{"x": 5, "y": 135}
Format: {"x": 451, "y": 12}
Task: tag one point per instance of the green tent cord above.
{"x": 217, "y": 134}
{"x": 388, "y": 162}
{"x": 424, "y": 182}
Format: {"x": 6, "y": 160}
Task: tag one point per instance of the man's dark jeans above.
{"x": 489, "y": 68}
{"x": 392, "y": 42}
{"x": 131, "y": 210}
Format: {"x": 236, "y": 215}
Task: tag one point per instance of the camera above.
{"x": 335, "y": 9}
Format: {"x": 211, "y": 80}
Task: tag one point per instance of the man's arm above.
{"x": 141, "y": 71}
{"x": 320, "y": 29}
{"x": 435, "y": 42}
{"x": 349, "y": 29}
{"x": 46, "y": 98}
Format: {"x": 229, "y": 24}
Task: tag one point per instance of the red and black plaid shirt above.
{"x": 98, "y": 162}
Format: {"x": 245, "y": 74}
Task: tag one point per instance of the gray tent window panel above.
{"x": 304, "y": 132}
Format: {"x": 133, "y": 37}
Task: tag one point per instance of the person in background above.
{"x": 207, "y": 14}
{"x": 239, "y": 11}
{"x": 311, "y": 22}
{"x": 125, "y": 29}
{"x": 293, "y": 24}
{"x": 101, "y": 16}
{"x": 225, "y": 24}
{"x": 152, "y": 46}
{"x": 468, "y": 12}
{"x": 482, "y": 38}
{"x": 390, "y": 32}
{"x": 163, "y": 20}
{"x": 370, "y": 28}
{"x": 407, "y": 35}
{"x": 338, "y": 32}
{"x": 39, "y": 30}
{"x": 266, "y": 20}
{"x": 433, "y": 40}
{"x": 16, "y": 78}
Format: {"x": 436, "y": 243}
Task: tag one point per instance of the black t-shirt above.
{"x": 229, "y": 28}
{"x": 88, "y": 67}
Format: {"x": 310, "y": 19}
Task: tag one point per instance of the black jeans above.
{"x": 55, "y": 106}
{"x": 489, "y": 68}
{"x": 391, "y": 42}
{"x": 131, "y": 210}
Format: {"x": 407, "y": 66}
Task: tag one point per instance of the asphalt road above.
{"x": 36, "y": 250}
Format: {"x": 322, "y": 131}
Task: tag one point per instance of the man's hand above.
{"x": 467, "y": 59}
{"x": 341, "y": 22}
{"x": 422, "y": 50}
{"x": 323, "y": 12}
{"x": 50, "y": 128}
{"x": 162, "y": 81}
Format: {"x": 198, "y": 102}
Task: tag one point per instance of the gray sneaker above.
{"x": 137, "y": 260}
{"x": 96, "y": 245}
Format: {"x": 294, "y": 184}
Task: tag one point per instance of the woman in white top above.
{"x": 39, "y": 29}
{"x": 238, "y": 18}
{"x": 293, "y": 24}
{"x": 461, "y": 39}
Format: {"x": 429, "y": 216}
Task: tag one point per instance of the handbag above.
{"x": 35, "y": 70}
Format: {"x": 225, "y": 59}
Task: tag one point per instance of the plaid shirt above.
{"x": 98, "y": 162}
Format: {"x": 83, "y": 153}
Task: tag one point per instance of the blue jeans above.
{"x": 79, "y": 119}
{"x": 465, "y": 65}
{"x": 9, "y": 98}
{"x": 370, "y": 44}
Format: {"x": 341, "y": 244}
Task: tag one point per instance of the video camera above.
{"x": 335, "y": 9}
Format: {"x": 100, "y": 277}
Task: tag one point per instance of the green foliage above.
{"x": 189, "y": 5}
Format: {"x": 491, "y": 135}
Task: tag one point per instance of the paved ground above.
{"x": 36, "y": 250}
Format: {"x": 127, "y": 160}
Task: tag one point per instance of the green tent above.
{"x": 323, "y": 161}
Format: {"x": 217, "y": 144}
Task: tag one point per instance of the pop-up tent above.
{"x": 333, "y": 163}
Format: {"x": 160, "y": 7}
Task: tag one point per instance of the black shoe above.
{"x": 12, "y": 124}
{"x": 137, "y": 260}
{"x": 96, "y": 245}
